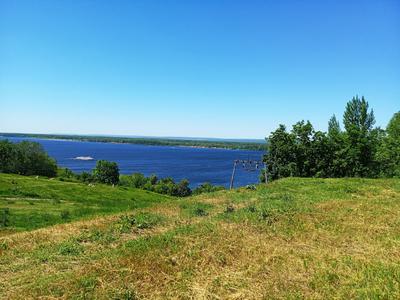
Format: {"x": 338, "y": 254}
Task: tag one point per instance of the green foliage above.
{"x": 207, "y": 188}
{"x": 196, "y": 209}
{"x": 53, "y": 198}
{"x": 85, "y": 177}
{"x": 333, "y": 127}
{"x": 106, "y": 172}
{"x": 360, "y": 138}
{"x": 388, "y": 154}
{"x": 70, "y": 247}
{"x": 138, "y": 180}
{"x": 138, "y": 221}
{"x": 359, "y": 151}
{"x": 183, "y": 189}
{"x": 26, "y": 158}
{"x": 165, "y": 186}
{"x": 303, "y": 152}
{"x": 65, "y": 173}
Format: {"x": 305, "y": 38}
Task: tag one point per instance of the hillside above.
{"x": 295, "y": 238}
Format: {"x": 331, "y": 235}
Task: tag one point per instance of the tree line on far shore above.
{"x": 358, "y": 150}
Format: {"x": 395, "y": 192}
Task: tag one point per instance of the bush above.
{"x": 207, "y": 188}
{"x": 138, "y": 180}
{"x": 70, "y": 248}
{"x": 166, "y": 186}
{"x": 65, "y": 173}
{"x": 85, "y": 177}
{"x": 138, "y": 221}
{"x": 106, "y": 172}
{"x": 183, "y": 189}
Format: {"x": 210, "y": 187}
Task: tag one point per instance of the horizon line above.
{"x": 140, "y": 136}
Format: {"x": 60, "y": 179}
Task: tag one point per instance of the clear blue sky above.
{"x": 193, "y": 68}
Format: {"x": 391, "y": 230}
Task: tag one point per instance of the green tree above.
{"x": 106, "y": 172}
{"x": 388, "y": 154}
{"x": 336, "y": 154}
{"x": 281, "y": 154}
{"x": 333, "y": 127}
{"x": 26, "y": 158}
{"x": 303, "y": 133}
{"x": 305, "y": 152}
{"x": 7, "y": 157}
{"x": 360, "y": 139}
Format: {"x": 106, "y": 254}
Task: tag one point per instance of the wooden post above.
{"x": 233, "y": 174}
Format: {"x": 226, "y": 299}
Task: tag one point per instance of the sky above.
{"x": 228, "y": 69}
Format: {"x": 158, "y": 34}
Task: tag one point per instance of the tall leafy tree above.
{"x": 388, "y": 154}
{"x": 333, "y": 127}
{"x": 352, "y": 152}
{"x": 358, "y": 121}
{"x": 281, "y": 154}
{"x": 336, "y": 155}
{"x": 303, "y": 134}
{"x": 26, "y": 158}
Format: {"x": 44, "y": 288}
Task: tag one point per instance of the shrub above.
{"x": 65, "y": 173}
{"x": 139, "y": 221}
{"x": 106, "y": 172}
{"x": 85, "y": 177}
{"x": 138, "y": 180}
{"x": 70, "y": 248}
{"x": 183, "y": 189}
{"x": 207, "y": 188}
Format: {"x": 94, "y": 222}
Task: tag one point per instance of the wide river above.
{"x": 198, "y": 165}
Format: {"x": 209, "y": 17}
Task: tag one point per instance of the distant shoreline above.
{"x": 198, "y": 143}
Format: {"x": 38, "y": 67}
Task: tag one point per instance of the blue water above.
{"x": 198, "y": 165}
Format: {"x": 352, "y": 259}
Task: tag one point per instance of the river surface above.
{"x": 198, "y": 165}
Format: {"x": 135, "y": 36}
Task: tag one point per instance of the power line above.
{"x": 249, "y": 165}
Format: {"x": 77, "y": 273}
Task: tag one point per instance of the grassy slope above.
{"x": 296, "y": 238}
{"x": 35, "y": 203}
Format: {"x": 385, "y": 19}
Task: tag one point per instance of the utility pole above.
{"x": 248, "y": 165}
{"x": 233, "y": 173}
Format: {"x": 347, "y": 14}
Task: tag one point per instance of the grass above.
{"x": 34, "y": 203}
{"x": 293, "y": 239}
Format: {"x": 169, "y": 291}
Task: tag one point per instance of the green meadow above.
{"x": 294, "y": 238}
{"x": 35, "y": 202}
